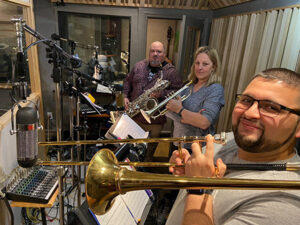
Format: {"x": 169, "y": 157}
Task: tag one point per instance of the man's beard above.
{"x": 261, "y": 144}
{"x": 155, "y": 62}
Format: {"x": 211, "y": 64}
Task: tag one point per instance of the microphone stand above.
{"x": 78, "y": 83}
{"x": 71, "y": 117}
{"x": 78, "y": 128}
{"x": 56, "y": 77}
{"x": 77, "y": 106}
{"x": 58, "y": 53}
{"x": 77, "y": 92}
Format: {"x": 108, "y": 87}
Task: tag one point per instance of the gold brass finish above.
{"x": 105, "y": 180}
{"x": 62, "y": 163}
{"x": 218, "y": 139}
{"x": 86, "y": 163}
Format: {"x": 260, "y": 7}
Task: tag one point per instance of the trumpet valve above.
{"x": 170, "y": 94}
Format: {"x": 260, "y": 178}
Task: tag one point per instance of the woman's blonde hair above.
{"x": 212, "y": 53}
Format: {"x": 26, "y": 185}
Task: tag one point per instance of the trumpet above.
{"x": 150, "y": 113}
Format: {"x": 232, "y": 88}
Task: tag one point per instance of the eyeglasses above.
{"x": 266, "y": 107}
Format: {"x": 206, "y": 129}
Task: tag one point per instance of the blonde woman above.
{"x": 197, "y": 115}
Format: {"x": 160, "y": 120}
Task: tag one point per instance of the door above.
{"x": 190, "y": 40}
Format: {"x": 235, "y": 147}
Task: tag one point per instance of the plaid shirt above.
{"x": 137, "y": 81}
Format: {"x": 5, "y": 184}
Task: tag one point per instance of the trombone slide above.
{"x": 218, "y": 139}
{"x": 105, "y": 180}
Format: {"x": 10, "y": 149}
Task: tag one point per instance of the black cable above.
{"x": 55, "y": 217}
{"x": 35, "y": 43}
{"x": 277, "y": 167}
{"x": 27, "y": 221}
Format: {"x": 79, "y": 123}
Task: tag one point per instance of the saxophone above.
{"x": 144, "y": 101}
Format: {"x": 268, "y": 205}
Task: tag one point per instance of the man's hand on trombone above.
{"x": 198, "y": 163}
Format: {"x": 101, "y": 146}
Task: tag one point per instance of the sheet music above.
{"x": 86, "y": 97}
{"x": 118, "y": 214}
{"x": 136, "y": 202}
{"x": 127, "y": 209}
{"x": 103, "y": 89}
{"x": 125, "y": 126}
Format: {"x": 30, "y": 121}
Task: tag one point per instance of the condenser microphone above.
{"x": 20, "y": 71}
{"x": 19, "y": 29}
{"x": 19, "y": 84}
{"x": 27, "y": 125}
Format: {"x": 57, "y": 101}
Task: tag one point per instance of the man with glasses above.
{"x": 265, "y": 124}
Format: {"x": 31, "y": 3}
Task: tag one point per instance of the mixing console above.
{"x": 35, "y": 185}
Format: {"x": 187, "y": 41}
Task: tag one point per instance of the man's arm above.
{"x": 199, "y": 208}
{"x": 173, "y": 76}
{"x": 127, "y": 84}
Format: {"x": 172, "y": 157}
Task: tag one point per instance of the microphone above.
{"x": 27, "y": 124}
{"x": 19, "y": 30}
{"x": 74, "y": 60}
{"x": 56, "y": 37}
{"x": 19, "y": 85}
{"x": 20, "y": 72}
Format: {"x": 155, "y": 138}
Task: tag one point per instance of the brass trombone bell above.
{"x": 218, "y": 138}
{"x": 105, "y": 180}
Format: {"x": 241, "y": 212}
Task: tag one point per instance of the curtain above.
{"x": 291, "y": 50}
{"x": 250, "y": 43}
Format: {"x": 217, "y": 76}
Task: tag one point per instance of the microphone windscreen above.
{"x": 27, "y": 136}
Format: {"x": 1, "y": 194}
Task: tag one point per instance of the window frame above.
{"x": 33, "y": 65}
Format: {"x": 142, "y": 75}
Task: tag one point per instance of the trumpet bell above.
{"x": 150, "y": 104}
{"x": 146, "y": 116}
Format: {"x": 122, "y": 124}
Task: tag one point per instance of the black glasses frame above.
{"x": 282, "y": 107}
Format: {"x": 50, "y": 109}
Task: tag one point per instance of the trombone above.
{"x": 105, "y": 180}
{"x": 150, "y": 113}
{"x": 218, "y": 139}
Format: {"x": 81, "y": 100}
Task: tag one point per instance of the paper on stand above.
{"x": 103, "y": 89}
{"x": 125, "y": 126}
{"x": 127, "y": 208}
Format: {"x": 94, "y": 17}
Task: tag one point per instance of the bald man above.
{"x": 142, "y": 77}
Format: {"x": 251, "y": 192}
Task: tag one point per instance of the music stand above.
{"x": 88, "y": 101}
